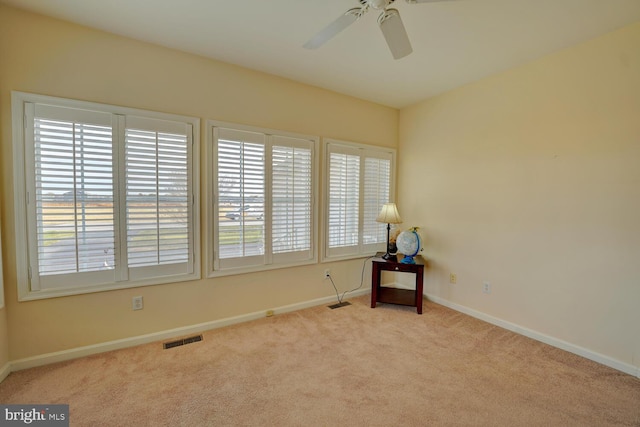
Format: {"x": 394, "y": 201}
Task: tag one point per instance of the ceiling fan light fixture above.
{"x": 379, "y": 4}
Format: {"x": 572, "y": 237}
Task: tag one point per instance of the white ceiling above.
{"x": 454, "y": 42}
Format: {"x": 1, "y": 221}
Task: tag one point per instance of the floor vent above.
{"x": 340, "y": 304}
{"x": 183, "y": 341}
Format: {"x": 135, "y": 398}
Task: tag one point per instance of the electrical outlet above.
{"x": 327, "y": 273}
{"x": 486, "y": 287}
{"x": 137, "y": 303}
{"x": 453, "y": 278}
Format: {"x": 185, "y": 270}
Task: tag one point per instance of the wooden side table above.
{"x": 394, "y": 295}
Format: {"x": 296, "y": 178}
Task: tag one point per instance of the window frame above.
{"x": 210, "y": 188}
{"x": 362, "y": 249}
{"x": 25, "y": 243}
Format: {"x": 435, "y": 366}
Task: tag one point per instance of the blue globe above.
{"x": 408, "y": 243}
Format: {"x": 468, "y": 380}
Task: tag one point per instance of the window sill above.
{"x": 257, "y": 269}
{"x": 28, "y": 295}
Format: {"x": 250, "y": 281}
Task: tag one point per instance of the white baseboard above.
{"x": 552, "y": 341}
{"x": 5, "y": 371}
{"x": 75, "y": 353}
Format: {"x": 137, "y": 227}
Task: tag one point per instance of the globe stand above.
{"x": 407, "y": 260}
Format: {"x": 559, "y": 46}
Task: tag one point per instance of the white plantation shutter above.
{"x": 265, "y": 191}
{"x": 73, "y": 223}
{"x": 241, "y": 196}
{"x": 344, "y": 201}
{"x": 377, "y": 176}
{"x": 359, "y": 182}
{"x": 292, "y": 195}
{"x": 158, "y": 202}
{"x": 106, "y": 199}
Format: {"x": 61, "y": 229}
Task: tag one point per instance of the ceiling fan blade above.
{"x": 331, "y": 30}
{"x": 395, "y": 34}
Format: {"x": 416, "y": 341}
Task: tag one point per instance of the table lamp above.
{"x": 389, "y": 215}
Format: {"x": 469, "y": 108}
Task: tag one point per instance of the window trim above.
{"x": 212, "y": 198}
{"x": 19, "y": 124}
{"x": 350, "y": 146}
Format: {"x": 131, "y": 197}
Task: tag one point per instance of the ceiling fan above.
{"x": 389, "y": 21}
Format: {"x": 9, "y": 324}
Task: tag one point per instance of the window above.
{"x": 108, "y": 196}
{"x": 358, "y": 182}
{"x": 263, "y": 211}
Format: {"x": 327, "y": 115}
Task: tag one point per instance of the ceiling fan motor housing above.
{"x": 377, "y": 4}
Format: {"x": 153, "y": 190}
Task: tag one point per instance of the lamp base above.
{"x": 389, "y": 257}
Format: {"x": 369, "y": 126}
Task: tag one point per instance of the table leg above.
{"x": 419, "y": 290}
{"x": 375, "y": 284}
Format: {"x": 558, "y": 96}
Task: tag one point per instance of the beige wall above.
{"x": 45, "y": 56}
{"x": 530, "y": 180}
{"x": 4, "y": 333}
{"x": 4, "y": 341}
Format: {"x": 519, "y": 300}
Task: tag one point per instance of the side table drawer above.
{"x": 405, "y": 268}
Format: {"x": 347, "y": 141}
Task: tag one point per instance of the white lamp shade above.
{"x": 389, "y": 214}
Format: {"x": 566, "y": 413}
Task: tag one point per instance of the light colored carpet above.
{"x": 353, "y": 366}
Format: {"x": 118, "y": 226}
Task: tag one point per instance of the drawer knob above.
{"x": 397, "y": 268}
